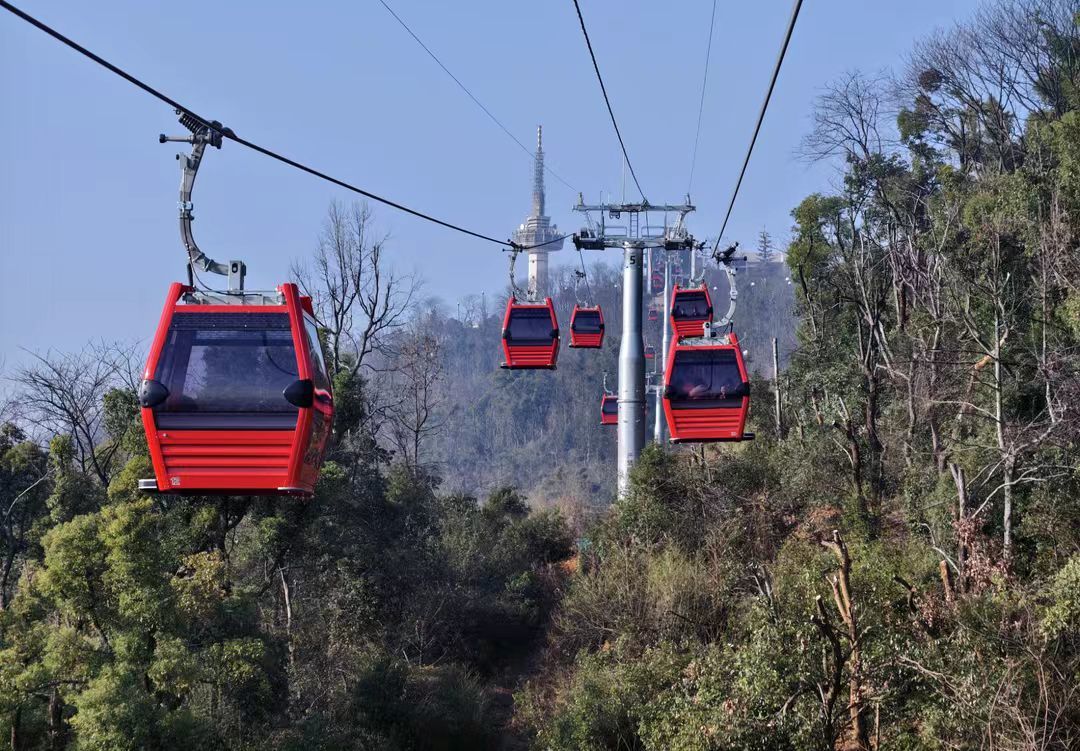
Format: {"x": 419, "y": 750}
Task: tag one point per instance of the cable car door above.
{"x": 315, "y": 421}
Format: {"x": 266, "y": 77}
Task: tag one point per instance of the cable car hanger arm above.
{"x": 202, "y": 135}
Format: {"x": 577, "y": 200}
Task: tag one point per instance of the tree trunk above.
{"x": 873, "y": 441}
{"x": 9, "y": 561}
{"x": 1009, "y": 473}
{"x": 841, "y": 590}
{"x": 287, "y": 597}
{"x": 937, "y": 448}
{"x": 56, "y": 721}
{"x": 16, "y": 721}
{"x": 960, "y": 480}
{"x": 1008, "y": 459}
{"x": 776, "y": 388}
{"x": 912, "y": 414}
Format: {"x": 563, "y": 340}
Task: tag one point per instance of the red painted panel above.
{"x": 688, "y": 328}
{"x": 605, "y": 418}
{"x": 530, "y": 356}
{"x": 586, "y": 339}
{"x": 228, "y": 462}
{"x": 704, "y": 425}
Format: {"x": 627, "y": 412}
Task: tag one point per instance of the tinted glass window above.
{"x": 586, "y": 322}
{"x": 610, "y": 406}
{"x": 321, "y": 377}
{"x": 226, "y": 369}
{"x": 706, "y": 376}
{"x": 689, "y": 305}
{"x": 530, "y": 326}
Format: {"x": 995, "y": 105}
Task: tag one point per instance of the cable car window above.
{"x": 610, "y": 406}
{"x": 586, "y": 322}
{"x": 320, "y": 376}
{"x": 690, "y": 305}
{"x": 530, "y": 326}
{"x": 227, "y": 370}
{"x": 706, "y": 378}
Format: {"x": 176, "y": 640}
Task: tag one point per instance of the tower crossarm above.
{"x": 600, "y": 235}
{"x": 636, "y": 208}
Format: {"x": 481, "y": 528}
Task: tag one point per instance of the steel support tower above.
{"x": 634, "y": 244}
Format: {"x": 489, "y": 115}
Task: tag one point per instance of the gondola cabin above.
{"x": 650, "y": 353}
{"x": 530, "y": 335}
{"x": 609, "y": 409}
{"x": 690, "y": 308}
{"x": 706, "y": 390}
{"x": 587, "y": 328}
{"x": 654, "y": 314}
{"x": 236, "y": 398}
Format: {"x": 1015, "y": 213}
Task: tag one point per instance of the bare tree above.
{"x": 358, "y": 299}
{"x": 848, "y": 119}
{"x": 472, "y": 310}
{"x": 63, "y": 394}
{"x": 415, "y": 379}
{"x": 977, "y": 82}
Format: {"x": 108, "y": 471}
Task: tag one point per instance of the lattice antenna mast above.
{"x": 538, "y": 174}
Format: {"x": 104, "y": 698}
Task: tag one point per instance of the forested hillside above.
{"x": 540, "y": 431}
{"x": 896, "y": 564}
{"x": 899, "y": 565}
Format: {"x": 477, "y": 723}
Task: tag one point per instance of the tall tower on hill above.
{"x": 537, "y": 228}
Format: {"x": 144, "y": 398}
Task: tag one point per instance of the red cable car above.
{"x": 706, "y": 390}
{"x": 530, "y": 335}
{"x": 235, "y": 397}
{"x": 587, "y": 328}
{"x": 609, "y": 409}
{"x": 690, "y": 309}
{"x": 654, "y": 314}
{"x": 650, "y": 353}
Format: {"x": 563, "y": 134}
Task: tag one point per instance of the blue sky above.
{"x": 88, "y": 236}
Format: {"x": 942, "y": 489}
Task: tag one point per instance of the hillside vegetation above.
{"x": 893, "y": 565}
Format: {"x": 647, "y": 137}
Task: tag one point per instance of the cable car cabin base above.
{"x": 743, "y": 437}
{"x": 530, "y": 336}
{"x": 706, "y": 390}
{"x": 235, "y": 397}
{"x": 587, "y": 328}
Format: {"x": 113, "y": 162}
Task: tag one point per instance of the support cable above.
{"x": 228, "y": 133}
{"x": 761, "y": 116}
{"x": 585, "y": 278}
{"x": 476, "y": 101}
{"x": 701, "y": 104}
{"x": 607, "y": 101}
